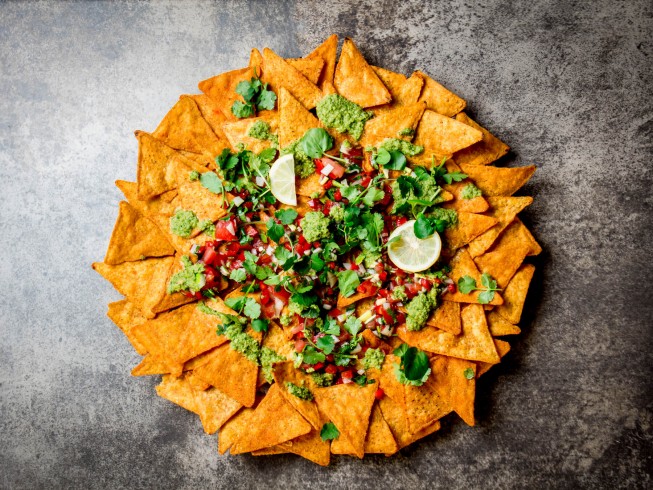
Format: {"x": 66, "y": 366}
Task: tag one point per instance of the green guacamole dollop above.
{"x": 405, "y": 147}
{"x": 190, "y": 278}
{"x": 267, "y": 358}
{"x": 315, "y": 226}
{"x": 373, "y": 359}
{"x": 322, "y": 379}
{"x": 419, "y": 309}
{"x": 299, "y": 391}
{"x": 183, "y": 222}
{"x": 261, "y": 131}
{"x": 470, "y": 191}
{"x": 334, "y": 111}
{"x": 337, "y": 213}
{"x": 304, "y": 165}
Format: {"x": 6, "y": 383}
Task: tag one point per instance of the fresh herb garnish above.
{"x": 256, "y": 97}
{"x": 467, "y": 284}
{"x": 329, "y": 431}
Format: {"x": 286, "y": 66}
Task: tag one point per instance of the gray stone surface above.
{"x": 567, "y": 84}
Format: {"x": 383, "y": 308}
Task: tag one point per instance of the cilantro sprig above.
{"x": 414, "y": 368}
{"x": 467, "y": 284}
{"x": 256, "y": 97}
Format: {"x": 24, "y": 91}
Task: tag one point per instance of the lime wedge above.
{"x": 411, "y": 253}
{"x": 282, "y": 180}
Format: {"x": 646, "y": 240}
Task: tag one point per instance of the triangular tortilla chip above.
{"x": 453, "y": 387}
{"x": 237, "y": 132}
{"x": 222, "y": 89}
{"x": 499, "y": 326}
{"x": 182, "y": 245}
{"x": 146, "y": 208}
{"x": 504, "y": 209}
{"x": 498, "y": 181}
{"x": 424, "y": 405}
{"x": 349, "y": 407}
{"x": 311, "y": 68}
{"x": 174, "y": 300}
{"x": 535, "y": 248}
{"x": 468, "y": 227}
{"x": 178, "y": 391}
{"x": 404, "y": 91}
{"x": 212, "y": 113}
{"x": 196, "y": 382}
{"x": 502, "y": 349}
{"x": 345, "y": 301}
{"x": 232, "y": 373}
{"x": 255, "y": 58}
{"x": 198, "y": 361}
{"x": 285, "y": 372}
{"x": 184, "y": 128}
{"x": 200, "y": 334}
{"x": 439, "y": 99}
{"x": 390, "y": 123}
{"x": 506, "y": 255}
{"x": 161, "y": 335}
{"x": 234, "y": 428}
{"x": 309, "y": 446}
{"x": 274, "y": 421}
{"x": 379, "y": 438}
{"x": 204, "y": 203}
{"x": 446, "y": 317}
{"x": 279, "y": 73}
{"x": 395, "y": 416}
{"x": 135, "y": 237}
{"x": 143, "y": 282}
{"x": 474, "y": 344}
{"x": 514, "y": 295}
{"x": 125, "y": 315}
{"x": 151, "y": 365}
{"x": 326, "y": 51}
{"x": 355, "y": 79}
{"x": 309, "y": 185}
{"x": 443, "y": 135}
{"x": 294, "y": 119}
{"x": 463, "y": 265}
{"x": 486, "y": 151}
{"x": 474, "y": 205}
{"x": 388, "y": 381}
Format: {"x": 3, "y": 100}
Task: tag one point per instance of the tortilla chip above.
{"x": 184, "y": 128}
{"x": 236, "y": 133}
{"x": 504, "y": 209}
{"x": 294, "y": 119}
{"x": 345, "y": 301}
{"x": 453, "y": 387}
{"x": 463, "y": 265}
{"x": 174, "y": 300}
{"x": 274, "y": 421}
{"x": 198, "y": 361}
{"x": 443, "y": 135}
{"x": 395, "y": 416}
{"x": 326, "y": 51}
{"x": 499, "y": 326}
{"x": 514, "y": 295}
{"x": 390, "y": 123}
{"x": 309, "y": 185}
{"x": 388, "y": 381}
{"x": 474, "y": 344}
{"x": 134, "y": 238}
{"x": 311, "y": 68}
{"x": 373, "y": 341}
{"x": 143, "y": 282}
{"x": 161, "y": 335}
{"x": 534, "y": 247}
{"x": 506, "y": 255}
{"x": 279, "y": 73}
{"x": 232, "y": 373}
{"x": 309, "y": 446}
{"x": 204, "y": 203}
{"x": 355, "y": 79}
{"x": 182, "y": 245}
{"x": 498, "y": 181}
{"x": 446, "y": 317}
{"x": 474, "y": 205}
{"x": 285, "y": 372}
{"x": 211, "y": 113}
{"x": 502, "y": 349}
{"x": 349, "y": 407}
{"x": 469, "y": 226}
{"x": 486, "y": 151}
{"x": 404, "y": 91}
{"x": 178, "y": 391}
{"x": 146, "y": 208}
{"x": 200, "y": 334}
{"x": 233, "y": 429}
{"x": 439, "y": 99}
{"x": 125, "y": 315}
{"x": 424, "y": 405}
{"x": 151, "y": 365}
{"x": 221, "y": 89}
{"x": 379, "y": 438}
{"x": 255, "y": 59}
{"x": 195, "y": 382}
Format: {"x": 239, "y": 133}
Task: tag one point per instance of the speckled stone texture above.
{"x": 568, "y": 85}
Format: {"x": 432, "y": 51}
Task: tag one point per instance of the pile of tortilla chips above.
{"x": 226, "y": 390}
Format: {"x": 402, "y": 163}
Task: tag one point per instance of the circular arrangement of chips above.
{"x": 287, "y": 328}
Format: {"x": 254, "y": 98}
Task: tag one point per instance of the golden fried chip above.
{"x": 212, "y": 113}
{"x": 195, "y": 382}
{"x": 404, "y": 91}
{"x": 355, "y": 79}
{"x": 379, "y": 438}
{"x": 486, "y": 151}
{"x": 184, "y": 128}
{"x": 135, "y": 237}
{"x": 294, "y": 119}
{"x": 474, "y": 343}
{"x": 151, "y": 365}
{"x": 146, "y": 208}
{"x": 278, "y": 73}
{"x": 390, "y": 123}
{"x": 237, "y": 132}
{"x": 285, "y": 372}
{"x": 504, "y": 209}
{"x": 463, "y": 265}
{"x": 326, "y": 51}
{"x": 214, "y": 408}
{"x": 468, "y": 227}
{"x": 274, "y": 421}
{"x": 200, "y": 334}
{"x": 349, "y": 407}
{"x": 308, "y": 186}
{"x": 222, "y": 88}
{"x": 514, "y": 295}
{"x": 182, "y": 245}
{"x": 535, "y": 248}
{"x": 233, "y": 429}
{"x": 502, "y": 349}
{"x": 143, "y": 282}
{"x": 475, "y": 205}
{"x": 178, "y": 391}
{"x": 499, "y": 326}
{"x": 452, "y": 383}
{"x": 204, "y": 203}
{"x": 255, "y": 59}
{"x": 232, "y": 373}
{"x": 345, "y": 301}
{"x": 311, "y": 68}
{"x": 498, "y": 181}
{"x": 424, "y": 405}
{"x": 174, "y": 300}
{"x": 125, "y": 315}
{"x": 506, "y": 255}
{"x": 439, "y": 99}
{"x": 395, "y": 416}
{"x": 446, "y": 317}
{"x": 309, "y": 446}
{"x": 443, "y": 135}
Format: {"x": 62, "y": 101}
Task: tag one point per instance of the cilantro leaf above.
{"x": 326, "y": 344}
{"x": 485, "y": 297}
{"x": 260, "y": 325}
{"x": 421, "y": 173}
{"x": 329, "y": 431}
{"x": 236, "y": 302}
{"x": 252, "y": 309}
{"x": 246, "y": 89}
{"x": 275, "y": 230}
{"x": 382, "y": 157}
{"x": 317, "y": 264}
{"x": 242, "y": 109}
{"x": 414, "y": 368}
{"x": 372, "y": 195}
{"x": 423, "y": 227}
{"x": 466, "y": 284}
{"x": 311, "y": 356}
{"x": 454, "y": 177}
{"x": 487, "y": 281}
{"x": 406, "y": 184}
{"x": 348, "y": 281}
{"x": 331, "y": 327}
{"x": 316, "y": 142}
{"x": 286, "y": 216}
{"x": 353, "y": 325}
{"x": 238, "y": 275}
{"x": 397, "y": 161}
{"x": 468, "y": 373}
{"x": 268, "y": 155}
{"x": 266, "y": 99}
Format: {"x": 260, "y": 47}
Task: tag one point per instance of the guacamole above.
{"x": 470, "y": 191}
{"x": 261, "y": 131}
{"x": 193, "y": 175}
{"x": 334, "y": 111}
{"x": 266, "y": 358}
{"x": 207, "y": 226}
{"x": 405, "y": 147}
{"x": 322, "y": 379}
{"x": 399, "y": 293}
{"x": 299, "y": 391}
{"x": 304, "y": 165}
{"x": 337, "y": 213}
{"x": 183, "y": 222}
{"x": 406, "y": 132}
{"x": 190, "y": 278}
{"x": 315, "y": 226}
{"x": 373, "y": 359}
{"x": 419, "y": 309}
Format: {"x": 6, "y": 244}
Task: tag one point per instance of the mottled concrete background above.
{"x": 567, "y": 84}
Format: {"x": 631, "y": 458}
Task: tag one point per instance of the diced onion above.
{"x": 328, "y": 168}
{"x": 260, "y": 181}
{"x": 323, "y": 179}
{"x": 237, "y": 200}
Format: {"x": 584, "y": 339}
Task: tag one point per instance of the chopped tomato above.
{"x": 210, "y": 256}
{"x": 299, "y": 345}
{"x": 367, "y": 287}
{"x": 225, "y": 230}
{"x": 378, "y": 394}
{"x": 338, "y": 170}
{"x": 451, "y": 288}
{"x": 349, "y": 373}
{"x": 366, "y": 181}
{"x": 331, "y": 369}
{"x": 268, "y": 310}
